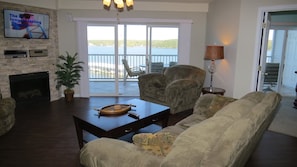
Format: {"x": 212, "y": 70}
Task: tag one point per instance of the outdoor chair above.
{"x": 157, "y": 67}
{"x": 131, "y": 71}
{"x": 172, "y": 63}
{"x": 271, "y": 75}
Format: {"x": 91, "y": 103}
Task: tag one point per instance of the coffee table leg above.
{"x": 165, "y": 121}
{"x": 79, "y": 132}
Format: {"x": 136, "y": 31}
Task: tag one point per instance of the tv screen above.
{"x": 18, "y": 24}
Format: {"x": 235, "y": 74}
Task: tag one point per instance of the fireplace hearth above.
{"x": 30, "y": 88}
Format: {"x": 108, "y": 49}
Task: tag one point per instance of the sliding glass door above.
{"x": 103, "y": 43}
{"x": 162, "y": 47}
{"x": 140, "y": 45}
{"x": 102, "y": 60}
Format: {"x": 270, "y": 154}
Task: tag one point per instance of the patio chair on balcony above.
{"x": 271, "y": 75}
{"x": 131, "y": 71}
{"x": 172, "y": 63}
{"x": 157, "y": 67}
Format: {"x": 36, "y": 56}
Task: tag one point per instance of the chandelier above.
{"x": 119, "y": 4}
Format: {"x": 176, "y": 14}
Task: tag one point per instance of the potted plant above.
{"x": 68, "y": 74}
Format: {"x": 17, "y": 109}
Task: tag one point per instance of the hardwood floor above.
{"x": 44, "y": 136}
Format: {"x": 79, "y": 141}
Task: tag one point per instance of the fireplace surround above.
{"x": 30, "y": 88}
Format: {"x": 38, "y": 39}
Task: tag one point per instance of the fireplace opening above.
{"x": 30, "y": 88}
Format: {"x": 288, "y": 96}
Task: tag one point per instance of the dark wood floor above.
{"x": 44, "y": 136}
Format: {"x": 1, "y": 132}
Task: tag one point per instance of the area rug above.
{"x": 285, "y": 120}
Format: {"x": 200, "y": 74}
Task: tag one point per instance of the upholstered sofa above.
{"x": 221, "y": 131}
{"x": 7, "y": 115}
{"x": 178, "y": 87}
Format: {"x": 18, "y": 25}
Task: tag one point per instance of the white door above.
{"x": 263, "y": 51}
{"x": 278, "y": 57}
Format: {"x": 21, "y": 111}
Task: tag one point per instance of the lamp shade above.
{"x": 214, "y": 52}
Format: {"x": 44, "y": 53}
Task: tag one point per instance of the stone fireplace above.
{"x": 30, "y": 88}
{"x": 14, "y": 65}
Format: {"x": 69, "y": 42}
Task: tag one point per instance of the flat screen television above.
{"x": 18, "y": 24}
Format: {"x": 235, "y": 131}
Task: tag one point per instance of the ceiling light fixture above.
{"x": 119, "y": 4}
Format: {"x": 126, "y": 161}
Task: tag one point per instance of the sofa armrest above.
{"x": 181, "y": 95}
{"x": 106, "y": 152}
{"x": 155, "y": 79}
{"x": 7, "y": 106}
{"x": 208, "y": 104}
{"x": 181, "y": 85}
{"x": 152, "y": 87}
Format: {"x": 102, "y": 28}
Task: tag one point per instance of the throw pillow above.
{"x": 217, "y": 103}
{"x": 158, "y": 144}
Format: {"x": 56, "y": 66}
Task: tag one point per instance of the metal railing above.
{"x": 102, "y": 66}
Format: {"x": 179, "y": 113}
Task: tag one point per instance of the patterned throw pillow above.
{"x": 217, "y": 103}
{"x": 158, "y": 144}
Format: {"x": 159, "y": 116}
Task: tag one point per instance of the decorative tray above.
{"x": 115, "y": 109}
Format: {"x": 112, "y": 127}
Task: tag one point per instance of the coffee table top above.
{"x": 143, "y": 109}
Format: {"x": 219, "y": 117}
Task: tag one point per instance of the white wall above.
{"x": 246, "y": 55}
{"x": 222, "y": 29}
{"x": 240, "y": 18}
{"x": 67, "y": 28}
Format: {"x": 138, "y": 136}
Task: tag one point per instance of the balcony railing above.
{"x": 102, "y": 66}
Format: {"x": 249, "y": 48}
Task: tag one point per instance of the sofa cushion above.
{"x": 107, "y": 152}
{"x": 237, "y": 110}
{"x": 208, "y": 104}
{"x": 217, "y": 103}
{"x": 175, "y": 130}
{"x": 230, "y": 144}
{"x": 158, "y": 144}
{"x": 190, "y": 120}
{"x": 191, "y": 145}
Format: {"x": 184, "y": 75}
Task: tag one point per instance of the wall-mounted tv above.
{"x": 18, "y": 24}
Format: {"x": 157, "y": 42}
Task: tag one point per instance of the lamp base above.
{"x": 210, "y": 89}
{"x": 211, "y": 79}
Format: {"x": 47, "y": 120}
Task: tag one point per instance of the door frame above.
{"x": 81, "y": 23}
{"x": 258, "y": 58}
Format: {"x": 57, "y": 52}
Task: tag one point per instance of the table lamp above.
{"x": 213, "y": 52}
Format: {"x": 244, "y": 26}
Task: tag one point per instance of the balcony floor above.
{"x": 107, "y": 88}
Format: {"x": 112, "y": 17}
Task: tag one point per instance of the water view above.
{"x": 102, "y": 59}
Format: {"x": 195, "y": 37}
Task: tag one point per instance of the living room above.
{"x": 230, "y": 23}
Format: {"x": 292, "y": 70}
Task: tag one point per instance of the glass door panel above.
{"x": 273, "y": 60}
{"x": 141, "y": 45}
{"x": 163, "y": 42}
{"x": 101, "y": 60}
{"x": 289, "y": 77}
{"x": 280, "y": 65}
{"x": 132, "y": 47}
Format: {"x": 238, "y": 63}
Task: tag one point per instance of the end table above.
{"x": 218, "y": 91}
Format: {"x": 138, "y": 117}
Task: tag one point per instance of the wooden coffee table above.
{"x": 117, "y": 126}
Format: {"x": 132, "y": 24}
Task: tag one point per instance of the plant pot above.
{"x": 69, "y": 95}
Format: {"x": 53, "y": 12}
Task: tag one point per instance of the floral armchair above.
{"x": 7, "y": 117}
{"x": 178, "y": 87}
